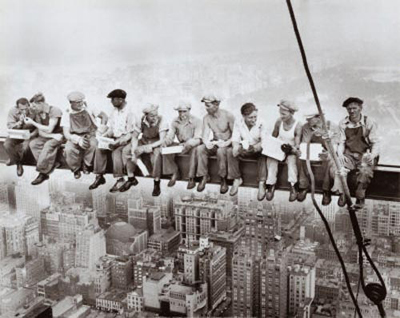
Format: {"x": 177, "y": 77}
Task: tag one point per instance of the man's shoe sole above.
{"x": 37, "y": 183}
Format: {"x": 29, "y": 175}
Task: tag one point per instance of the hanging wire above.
{"x": 374, "y": 291}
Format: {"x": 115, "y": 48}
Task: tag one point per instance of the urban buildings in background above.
{"x": 78, "y": 253}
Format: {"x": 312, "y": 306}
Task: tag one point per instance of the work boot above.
{"x": 132, "y": 181}
{"x": 270, "y": 191}
{"x": 117, "y": 185}
{"x": 40, "y": 178}
{"x": 202, "y": 184}
{"x": 224, "y": 186}
{"x": 77, "y": 174}
{"x": 342, "y": 200}
{"x": 20, "y": 170}
{"x": 360, "y": 196}
{"x": 359, "y": 203}
{"x": 173, "y": 179}
{"x": 156, "y": 189}
{"x": 9, "y": 163}
{"x": 293, "y": 193}
{"x": 191, "y": 184}
{"x": 326, "y": 198}
{"x": 86, "y": 169}
{"x": 301, "y": 196}
{"x": 235, "y": 186}
{"x": 261, "y": 191}
{"x": 97, "y": 182}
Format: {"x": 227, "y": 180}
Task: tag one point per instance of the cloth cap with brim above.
{"x": 150, "y": 109}
{"x": 352, "y": 100}
{"x": 288, "y": 105}
{"x": 312, "y": 114}
{"x": 76, "y": 97}
{"x": 183, "y": 106}
{"x": 210, "y": 99}
{"x": 117, "y": 93}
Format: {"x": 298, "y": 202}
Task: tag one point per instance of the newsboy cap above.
{"x": 312, "y": 114}
{"x": 210, "y": 99}
{"x": 117, "y": 93}
{"x": 352, "y": 100}
{"x": 150, "y": 108}
{"x": 288, "y": 105}
{"x": 182, "y": 105}
{"x": 76, "y": 97}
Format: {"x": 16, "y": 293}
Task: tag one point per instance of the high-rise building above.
{"x": 122, "y": 273}
{"x": 4, "y": 202}
{"x": 262, "y": 225}
{"x": 301, "y": 286}
{"x": 195, "y": 217}
{"x": 273, "y": 284}
{"x": 31, "y": 200}
{"x": 212, "y": 270}
{"x": 246, "y": 285}
{"x": 14, "y": 234}
{"x": 121, "y": 206}
{"x": 145, "y": 218}
{"x": 191, "y": 264}
{"x": 30, "y": 273}
{"x": 231, "y": 242}
{"x": 90, "y": 246}
{"x": 31, "y": 235}
{"x": 99, "y": 198}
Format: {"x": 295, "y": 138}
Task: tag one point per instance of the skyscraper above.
{"x": 90, "y": 246}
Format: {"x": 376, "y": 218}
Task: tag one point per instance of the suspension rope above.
{"x": 374, "y": 291}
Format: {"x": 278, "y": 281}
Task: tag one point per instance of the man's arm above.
{"x": 275, "y": 132}
{"x": 374, "y": 138}
{"x": 297, "y": 135}
{"x": 206, "y": 130}
{"x": 163, "y": 132}
{"x": 341, "y": 139}
{"x": 43, "y": 128}
{"x": 13, "y": 120}
{"x": 236, "y": 136}
{"x": 169, "y": 138}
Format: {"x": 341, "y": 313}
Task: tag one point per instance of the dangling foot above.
{"x": 77, "y": 174}
{"x": 173, "y": 179}
{"x": 132, "y": 181}
{"x": 326, "y": 198}
{"x": 261, "y": 191}
{"x": 270, "y": 191}
{"x": 156, "y": 189}
{"x": 86, "y": 169}
{"x": 191, "y": 184}
{"x": 342, "y": 200}
{"x": 235, "y": 186}
{"x": 20, "y": 170}
{"x": 97, "y": 182}
{"x": 360, "y": 203}
{"x": 40, "y": 178}
{"x": 117, "y": 185}
{"x": 293, "y": 193}
{"x": 202, "y": 184}
{"x": 301, "y": 196}
{"x": 224, "y": 186}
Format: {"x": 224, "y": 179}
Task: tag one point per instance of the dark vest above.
{"x": 355, "y": 140}
{"x": 45, "y": 120}
{"x": 81, "y": 123}
{"x": 150, "y": 134}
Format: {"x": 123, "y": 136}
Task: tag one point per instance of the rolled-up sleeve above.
{"x": 12, "y": 119}
{"x": 236, "y": 133}
{"x": 198, "y": 128}
{"x": 131, "y": 122}
{"x": 163, "y": 125}
{"x": 342, "y": 133}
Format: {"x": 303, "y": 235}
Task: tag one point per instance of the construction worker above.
{"x": 358, "y": 148}
{"x": 187, "y": 129}
{"x": 79, "y": 126}
{"x": 119, "y": 128}
{"x": 312, "y": 132}
{"x": 45, "y": 147}
{"x": 17, "y": 148}
{"x": 246, "y": 143}
{"x": 288, "y": 130}
{"x": 220, "y": 122}
{"x": 153, "y": 129}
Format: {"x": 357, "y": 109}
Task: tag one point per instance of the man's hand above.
{"x": 257, "y": 147}
{"x": 113, "y": 145}
{"x": 209, "y": 145}
{"x": 138, "y": 151}
{"x": 84, "y": 143}
{"x": 222, "y": 144}
{"x": 296, "y": 152}
{"x": 166, "y": 142}
{"x": 147, "y": 149}
{"x": 368, "y": 158}
{"x": 28, "y": 121}
{"x": 323, "y": 155}
{"x": 58, "y": 137}
{"x": 236, "y": 151}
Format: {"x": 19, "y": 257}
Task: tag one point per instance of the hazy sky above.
{"x": 84, "y": 32}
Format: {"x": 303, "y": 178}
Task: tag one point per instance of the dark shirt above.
{"x": 14, "y": 119}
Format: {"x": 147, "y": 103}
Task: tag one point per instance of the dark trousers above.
{"x": 170, "y": 166}
{"x": 204, "y": 153}
{"x": 233, "y": 164}
{"x": 100, "y": 161}
{"x": 45, "y": 152}
{"x": 75, "y": 155}
{"x": 304, "y": 176}
{"x": 152, "y": 161}
{"x": 16, "y": 149}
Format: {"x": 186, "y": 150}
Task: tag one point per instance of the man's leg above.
{"x": 130, "y": 168}
{"x": 89, "y": 153}
{"x": 222, "y": 162}
{"x": 291, "y": 161}
{"x": 304, "y": 183}
{"x": 73, "y": 156}
{"x": 100, "y": 166}
{"x": 118, "y": 168}
{"x": 365, "y": 173}
{"x": 36, "y": 145}
{"x": 13, "y": 148}
{"x": 156, "y": 161}
{"x": 262, "y": 175}
{"x": 47, "y": 156}
{"x": 272, "y": 168}
{"x": 192, "y": 167}
{"x": 327, "y": 182}
{"x": 350, "y": 164}
{"x": 233, "y": 171}
{"x": 202, "y": 168}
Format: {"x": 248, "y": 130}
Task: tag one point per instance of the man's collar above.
{"x": 76, "y": 111}
{"x": 361, "y": 121}
{"x": 217, "y": 113}
{"x": 148, "y": 124}
{"x": 189, "y": 120}
{"x": 121, "y": 109}
{"x": 243, "y": 122}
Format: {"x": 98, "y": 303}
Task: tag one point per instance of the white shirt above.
{"x": 121, "y": 121}
{"x": 242, "y": 132}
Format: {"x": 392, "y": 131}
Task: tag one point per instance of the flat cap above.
{"x": 37, "y": 98}
{"x": 210, "y": 98}
{"x": 150, "y": 108}
{"x": 76, "y": 97}
{"x": 288, "y": 105}
{"x": 312, "y": 114}
{"x": 117, "y": 93}
{"x": 352, "y": 100}
{"x": 183, "y": 105}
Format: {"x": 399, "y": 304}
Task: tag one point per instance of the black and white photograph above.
{"x": 199, "y": 158}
